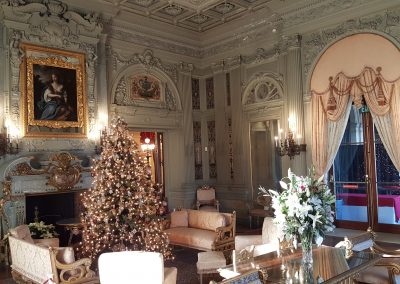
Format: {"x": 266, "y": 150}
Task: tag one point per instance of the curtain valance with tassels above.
{"x": 331, "y": 108}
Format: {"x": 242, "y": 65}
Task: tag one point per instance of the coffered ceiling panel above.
{"x": 196, "y": 15}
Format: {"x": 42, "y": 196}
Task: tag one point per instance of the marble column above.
{"x": 295, "y": 100}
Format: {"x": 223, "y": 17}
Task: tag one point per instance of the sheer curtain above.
{"x": 329, "y": 117}
{"x": 331, "y": 109}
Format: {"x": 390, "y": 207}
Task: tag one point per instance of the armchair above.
{"x": 37, "y": 263}
{"x": 267, "y": 242}
{"x": 387, "y": 270}
{"x": 206, "y": 199}
{"x": 135, "y": 267}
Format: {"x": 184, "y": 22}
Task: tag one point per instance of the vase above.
{"x": 306, "y": 247}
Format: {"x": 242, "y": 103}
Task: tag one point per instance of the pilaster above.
{"x": 221, "y": 128}
{"x": 185, "y": 89}
{"x": 295, "y": 100}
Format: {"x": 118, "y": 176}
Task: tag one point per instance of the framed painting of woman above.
{"x": 54, "y": 92}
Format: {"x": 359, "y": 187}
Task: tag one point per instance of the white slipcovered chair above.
{"x": 37, "y": 262}
{"x": 206, "y": 199}
{"x": 267, "y": 242}
{"x": 135, "y": 267}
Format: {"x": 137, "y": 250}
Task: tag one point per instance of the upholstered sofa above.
{"x": 202, "y": 230}
{"x": 37, "y": 263}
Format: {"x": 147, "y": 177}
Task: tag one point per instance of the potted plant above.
{"x": 44, "y": 234}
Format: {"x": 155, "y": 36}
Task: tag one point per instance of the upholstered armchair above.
{"x": 206, "y": 199}
{"x": 267, "y": 242}
{"x": 135, "y": 267}
{"x": 37, "y": 263}
{"x": 387, "y": 270}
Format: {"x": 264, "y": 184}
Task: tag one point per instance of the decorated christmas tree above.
{"x": 122, "y": 208}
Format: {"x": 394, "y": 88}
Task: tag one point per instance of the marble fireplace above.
{"x": 54, "y": 186}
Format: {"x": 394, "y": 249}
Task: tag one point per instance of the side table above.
{"x": 259, "y": 213}
{"x": 73, "y": 225}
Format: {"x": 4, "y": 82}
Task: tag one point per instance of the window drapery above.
{"x": 331, "y": 109}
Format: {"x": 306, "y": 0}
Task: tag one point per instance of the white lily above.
{"x": 315, "y": 219}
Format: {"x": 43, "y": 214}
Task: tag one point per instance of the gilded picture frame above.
{"x": 54, "y": 92}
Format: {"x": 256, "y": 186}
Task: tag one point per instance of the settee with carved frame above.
{"x": 202, "y": 230}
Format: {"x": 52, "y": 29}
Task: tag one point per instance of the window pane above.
{"x": 349, "y": 173}
{"x": 387, "y": 184}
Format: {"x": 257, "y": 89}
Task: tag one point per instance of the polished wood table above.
{"x": 329, "y": 266}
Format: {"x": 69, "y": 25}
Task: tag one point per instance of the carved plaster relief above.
{"x": 145, "y": 64}
{"x": 48, "y": 23}
{"x": 124, "y": 97}
{"x": 146, "y": 60}
{"x": 263, "y": 88}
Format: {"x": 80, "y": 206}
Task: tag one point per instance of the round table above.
{"x": 73, "y": 225}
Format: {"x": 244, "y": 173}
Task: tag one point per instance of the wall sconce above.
{"x": 98, "y": 133}
{"x": 7, "y": 145}
{"x": 147, "y": 147}
{"x": 99, "y": 145}
{"x": 289, "y": 146}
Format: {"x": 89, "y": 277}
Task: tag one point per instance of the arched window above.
{"x": 355, "y": 120}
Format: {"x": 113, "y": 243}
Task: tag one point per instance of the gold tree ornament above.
{"x": 122, "y": 209}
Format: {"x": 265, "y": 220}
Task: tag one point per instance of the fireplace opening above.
{"x": 53, "y": 207}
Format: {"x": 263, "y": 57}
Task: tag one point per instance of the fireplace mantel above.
{"x": 60, "y": 172}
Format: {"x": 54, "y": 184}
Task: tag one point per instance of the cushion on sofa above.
{"x": 65, "y": 255}
{"x": 179, "y": 219}
{"x": 192, "y": 237}
{"x": 22, "y": 232}
{"x": 206, "y": 220}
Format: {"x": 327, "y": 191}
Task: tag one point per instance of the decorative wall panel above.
{"x": 228, "y": 89}
{"x": 230, "y": 147}
{"x": 212, "y": 161}
{"x": 195, "y": 94}
{"x": 198, "y": 164}
{"x": 210, "y": 92}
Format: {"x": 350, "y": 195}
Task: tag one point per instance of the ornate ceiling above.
{"x": 195, "y": 15}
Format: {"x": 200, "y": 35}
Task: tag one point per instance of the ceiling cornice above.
{"x": 246, "y": 33}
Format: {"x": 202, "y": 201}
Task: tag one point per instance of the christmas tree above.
{"x": 122, "y": 208}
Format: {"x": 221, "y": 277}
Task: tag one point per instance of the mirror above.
{"x": 265, "y": 162}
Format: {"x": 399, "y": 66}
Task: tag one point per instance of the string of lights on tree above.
{"x": 123, "y": 208}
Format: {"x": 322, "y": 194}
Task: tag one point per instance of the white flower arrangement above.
{"x": 303, "y": 208}
{"x": 39, "y": 230}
